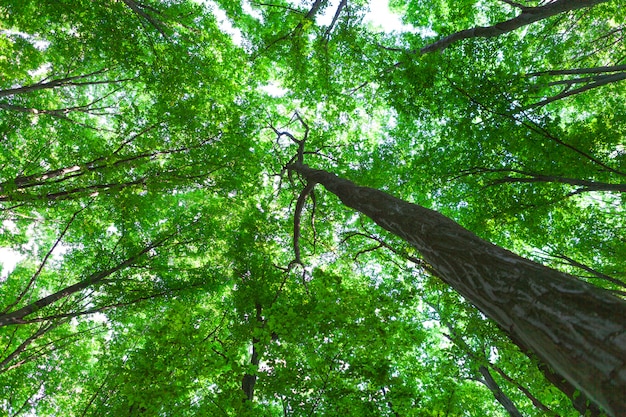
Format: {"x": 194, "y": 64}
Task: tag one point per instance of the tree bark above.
{"x": 529, "y": 15}
{"x": 576, "y": 328}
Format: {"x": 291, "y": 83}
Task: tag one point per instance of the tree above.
{"x": 573, "y": 326}
{"x": 169, "y": 262}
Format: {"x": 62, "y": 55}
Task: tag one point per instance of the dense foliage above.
{"x": 144, "y": 197}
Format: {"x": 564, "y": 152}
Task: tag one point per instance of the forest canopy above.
{"x": 283, "y": 208}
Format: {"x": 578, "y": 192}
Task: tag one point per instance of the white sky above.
{"x": 379, "y": 15}
{"x": 9, "y": 259}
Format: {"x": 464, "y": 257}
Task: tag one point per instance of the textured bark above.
{"x": 529, "y": 15}
{"x": 576, "y": 328}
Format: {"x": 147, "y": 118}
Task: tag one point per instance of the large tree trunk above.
{"x": 576, "y": 328}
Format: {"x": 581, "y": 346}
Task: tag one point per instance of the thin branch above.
{"x": 94, "y": 396}
{"x": 308, "y": 17}
{"x": 382, "y": 244}
{"x": 44, "y": 319}
{"x": 52, "y": 345}
{"x": 535, "y": 401}
{"x": 600, "y": 81}
{"x": 135, "y": 136}
{"x": 91, "y": 190}
{"x": 138, "y": 9}
{"x": 587, "y": 185}
{"x": 60, "y": 82}
{"x": 45, "y": 328}
{"x": 342, "y": 4}
{"x": 63, "y": 174}
{"x": 577, "y": 71}
{"x": 584, "y": 267}
{"x": 497, "y": 392}
{"x": 27, "y": 401}
{"x": 18, "y": 316}
{"x": 535, "y": 127}
{"x": 458, "y": 340}
{"x": 280, "y": 6}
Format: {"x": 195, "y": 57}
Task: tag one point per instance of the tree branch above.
{"x": 138, "y": 9}
{"x": 528, "y": 16}
{"x": 599, "y": 82}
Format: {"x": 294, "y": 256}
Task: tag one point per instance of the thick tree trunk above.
{"x": 575, "y": 327}
{"x": 529, "y": 15}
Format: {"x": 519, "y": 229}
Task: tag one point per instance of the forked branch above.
{"x": 298, "y": 159}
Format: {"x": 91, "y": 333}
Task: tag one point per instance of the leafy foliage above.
{"x": 143, "y": 192}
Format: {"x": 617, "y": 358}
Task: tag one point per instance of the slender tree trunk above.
{"x": 506, "y": 402}
{"x": 19, "y": 316}
{"x": 90, "y": 190}
{"x": 61, "y": 82}
{"x": 529, "y": 15}
{"x": 576, "y": 328}
{"x": 500, "y": 396}
{"x": 249, "y": 380}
